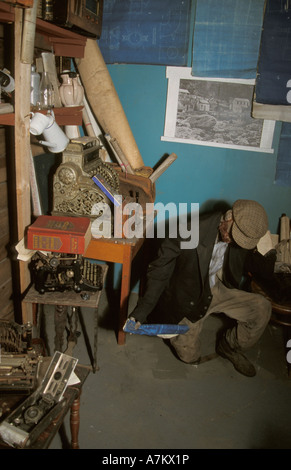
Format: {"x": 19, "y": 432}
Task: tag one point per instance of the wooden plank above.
{"x": 6, "y": 12}
{"x": 64, "y": 116}
{"x": 163, "y": 167}
{"x": 7, "y": 119}
{"x": 23, "y": 3}
{"x": 74, "y": 48}
{"x": 22, "y": 150}
{"x": 68, "y": 298}
{"x": 22, "y": 142}
{"x": 71, "y": 115}
{"x": 52, "y": 30}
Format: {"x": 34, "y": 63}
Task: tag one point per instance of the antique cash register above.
{"x": 74, "y": 191}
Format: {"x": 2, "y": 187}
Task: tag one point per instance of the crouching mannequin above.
{"x": 187, "y": 285}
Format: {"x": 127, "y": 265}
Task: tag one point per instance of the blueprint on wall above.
{"x": 283, "y": 170}
{"x": 227, "y": 38}
{"x": 146, "y": 31}
{"x": 274, "y": 77}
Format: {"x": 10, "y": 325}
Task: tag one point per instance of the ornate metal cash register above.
{"x": 76, "y": 194}
{"x": 74, "y": 191}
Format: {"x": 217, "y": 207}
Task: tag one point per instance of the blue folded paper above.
{"x": 154, "y": 329}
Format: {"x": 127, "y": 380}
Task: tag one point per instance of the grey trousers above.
{"x": 252, "y": 312}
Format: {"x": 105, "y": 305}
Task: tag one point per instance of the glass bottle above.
{"x": 46, "y": 92}
{"x": 34, "y": 87}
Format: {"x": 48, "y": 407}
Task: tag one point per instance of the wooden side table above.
{"x": 121, "y": 251}
{"x": 110, "y": 250}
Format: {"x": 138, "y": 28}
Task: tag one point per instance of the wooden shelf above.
{"x": 22, "y": 3}
{"x": 71, "y": 116}
{"x": 64, "y": 42}
{"x": 68, "y": 116}
{"x": 7, "y": 119}
{"x": 6, "y": 13}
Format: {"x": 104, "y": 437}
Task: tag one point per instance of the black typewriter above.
{"x": 59, "y": 272}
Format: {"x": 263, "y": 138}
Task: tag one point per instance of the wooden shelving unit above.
{"x": 62, "y": 42}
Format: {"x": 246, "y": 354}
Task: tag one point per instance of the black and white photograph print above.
{"x": 215, "y": 112}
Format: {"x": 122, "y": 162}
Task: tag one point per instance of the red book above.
{"x": 61, "y": 234}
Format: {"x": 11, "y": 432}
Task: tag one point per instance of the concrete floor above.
{"x": 143, "y": 397}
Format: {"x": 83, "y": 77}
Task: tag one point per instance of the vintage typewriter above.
{"x": 59, "y": 272}
{"x": 19, "y": 359}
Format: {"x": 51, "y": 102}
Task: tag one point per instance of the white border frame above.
{"x": 174, "y": 75}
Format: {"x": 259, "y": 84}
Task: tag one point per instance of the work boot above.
{"x": 240, "y": 362}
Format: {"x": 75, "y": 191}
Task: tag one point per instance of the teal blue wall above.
{"x": 203, "y": 175}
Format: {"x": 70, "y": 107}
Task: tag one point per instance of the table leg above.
{"x": 288, "y": 337}
{"x": 75, "y": 422}
{"x": 60, "y": 325}
{"x": 95, "y": 340}
{"x": 124, "y": 294}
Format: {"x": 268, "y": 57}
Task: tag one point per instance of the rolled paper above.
{"x": 284, "y": 228}
{"x": 105, "y": 103}
{"x": 28, "y": 36}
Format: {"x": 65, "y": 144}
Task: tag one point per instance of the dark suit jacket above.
{"x": 178, "y": 280}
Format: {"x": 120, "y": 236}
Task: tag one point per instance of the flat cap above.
{"x": 250, "y": 223}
